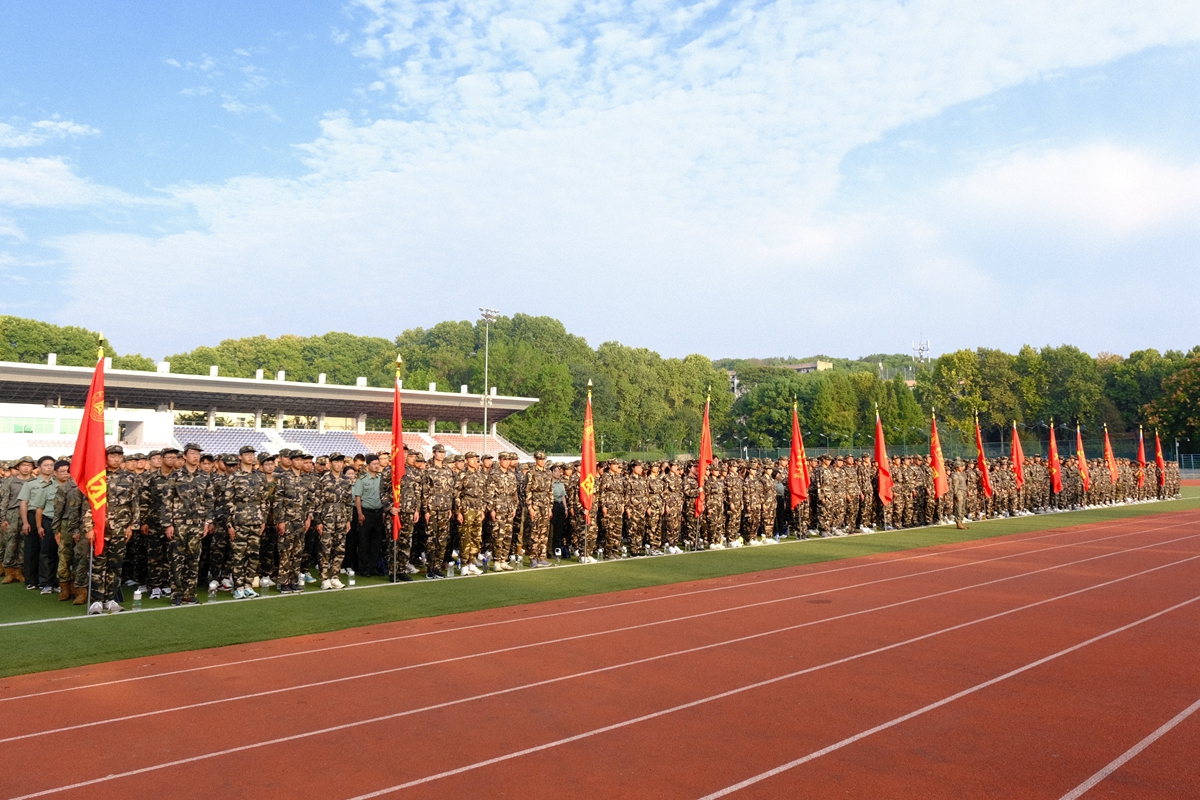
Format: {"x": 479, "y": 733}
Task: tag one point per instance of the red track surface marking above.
{"x": 126, "y": 715}
{"x": 1124, "y": 758}
{"x": 111, "y": 673}
{"x": 1066, "y": 596}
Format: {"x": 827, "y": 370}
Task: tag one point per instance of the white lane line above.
{"x": 738, "y": 585}
{"x": 858, "y": 737}
{"x": 1116, "y": 763}
{"x": 587, "y": 734}
{"x": 623, "y": 629}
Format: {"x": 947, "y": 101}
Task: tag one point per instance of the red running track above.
{"x": 1055, "y": 664}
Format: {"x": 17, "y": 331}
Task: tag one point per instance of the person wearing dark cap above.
{"x": 220, "y": 550}
{"x": 539, "y": 499}
{"x": 13, "y": 521}
{"x": 245, "y": 502}
{"x": 437, "y": 490}
{"x": 292, "y": 508}
{"x": 190, "y": 506}
{"x": 470, "y": 499}
{"x": 154, "y": 520}
{"x": 121, "y": 512}
{"x": 332, "y": 519}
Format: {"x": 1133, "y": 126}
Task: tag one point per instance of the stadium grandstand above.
{"x": 40, "y": 412}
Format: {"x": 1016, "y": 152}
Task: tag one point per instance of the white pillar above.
{"x": 212, "y": 419}
{"x": 321, "y": 378}
{"x": 361, "y": 425}
{"x": 433, "y": 386}
{"x": 320, "y": 422}
{"x": 258, "y": 420}
{"x": 279, "y": 420}
{"x": 432, "y": 426}
{"x": 463, "y": 427}
{"x": 493, "y": 430}
{"x": 258, "y": 374}
{"x": 281, "y": 375}
{"x": 52, "y": 359}
{"x": 212, "y": 371}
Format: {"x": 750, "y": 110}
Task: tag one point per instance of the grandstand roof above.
{"x": 42, "y": 383}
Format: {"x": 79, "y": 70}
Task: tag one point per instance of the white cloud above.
{"x": 658, "y": 174}
{"x": 52, "y": 183}
{"x": 43, "y": 131}
{"x": 10, "y": 229}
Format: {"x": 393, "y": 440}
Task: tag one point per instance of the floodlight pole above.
{"x": 489, "y": 316}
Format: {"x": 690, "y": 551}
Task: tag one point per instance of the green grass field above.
{"x": 39, "y": 633}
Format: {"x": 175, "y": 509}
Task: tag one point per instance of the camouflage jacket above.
{"x": 636, "y": 498}
{"x": 502, "y": 493}
{"x": 336, "y": 498}
{"x": 410, "y": 492}
{"x": 245, "y": 499}
{"x": 611, "y": 494}
{"x": 121, "y": 505}
{"x": 714, "y": 495}
{"x": 220, "y": 510}
{"x": 438, "y": 487}
{"x": 189, "y": 497}
{"x": 68, "y": 509}
{"x": 672, "y": 493}
{"x": 655, "y": 493}
{"x": 735, "y": 487}
{"x": 539, "y": 489}
{"x": 291, "y": 501}
{"x": 152, "y": 501}
{"x": 470, "y": 491}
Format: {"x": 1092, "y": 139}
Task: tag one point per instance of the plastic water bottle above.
{"x": 557, "y": 556}
{"x": 350, "y": 576}
{"x": 137, "y": 599}
{"x": 450, "y": 569}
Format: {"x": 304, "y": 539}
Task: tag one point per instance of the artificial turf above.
{"x": 64, "y": 637}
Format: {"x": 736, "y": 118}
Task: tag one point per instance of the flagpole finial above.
{"x": 100, "y": 346}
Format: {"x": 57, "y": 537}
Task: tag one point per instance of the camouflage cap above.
{"x": 115, "y": 450}
{"x": 22, "y": 460}
{"x": 192, "y": 446}
{"x": 539, "y": 455}
{"x": 203, "y": 456}
{"x": 285, "y": 452}
{"x": 246, "y": 448}
{"x": 439, "y": 448}
{"x": 470, "y": 454}
{"x": 153, "y": 453}
{"x": 336, "y": 457}
{"x": 167, "y": 450}
{"x": 420, "y": 458}
{"x": 230, "y": 460}
{"x": 265, "y": 456}
{"x": 322, "y": 460}
{"x": 488, "y": 456}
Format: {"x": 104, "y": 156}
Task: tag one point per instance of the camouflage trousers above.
{"x": 733, "y": 522}
{"x": 583, "y": 532}
{"x": 751, "y": 519}
{"x": 654, "y": 524}
{"x": 693, "y": 527}
{"x": 470, "y": 534}
{"x": 158, "y": 558}
{"x": 960, "y": 506}
{"x": 768, "y": 517}
{"x": 714, "y": 518}
{"x": 899, "y": 510}
{"x": 220, "y": 556}
{"x": 107, "y": 566}
{"x": 72, "y": 559}
{"x": 291, "y": 550}
{"x": 11, "y": 539}
{"x": 852, "y": 509}
{"x": 636, "y": 530}
{"x": 502, "y": 533}
{"x": 400, "y": 548}
{"x": 437, "y": 535}
{"x": 611, "y": 527}
{"x": 243, "y": 553}
{"x": 672, "y": 520}
{"x": 539, "y": 532}
{"x": 186, "y": 544}
{"x": 135, "y": 558}
{"x": 799, "y": 519}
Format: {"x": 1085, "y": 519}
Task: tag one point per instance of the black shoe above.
{"x": 404, "y": 577}
{"x": 177, "y": 600}
{"x": 434, "y": 574}
{"x": 192, "y": 601}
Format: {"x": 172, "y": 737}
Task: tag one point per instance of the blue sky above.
{"x": 731, "y": 178}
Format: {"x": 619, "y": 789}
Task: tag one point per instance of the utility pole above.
{"x": 489, "y": 316}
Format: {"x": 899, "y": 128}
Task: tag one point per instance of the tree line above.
{"x": 644, "y": 402}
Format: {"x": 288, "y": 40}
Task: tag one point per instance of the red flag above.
{"x": 89, "y": 464}
{"x": 1055, "y": 463}
{"x": 1141, "y": 459}
{"x": 1110, "y": 460}
{"x": 941, "y": 481}
{"x": 1159, "y": 461}
{"x": 399, "y": 463}
{"x": 1018, "y": 457}
{"x": 981, "y": 462}
{"x": 706, "y": 458}
{"x": 882, "y": 464}
{"x": 1082, "y": 459}
{"x": 587, "y": 463}
{"x": 797, "y": 464}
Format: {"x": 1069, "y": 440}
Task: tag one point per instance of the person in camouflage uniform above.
{"x": 244, "y": 498}
{"x": 611, "y": 500}
{"x": 154, "y": 522}
{"x": 655, "y": 500}
{"x": 470, "y": 501}
{"x": 502, "y": 504}
{"x": 539, "y": 499}
{"x": 672, "y": 506}
{"x": 437, "y": 493}
{"x": 693, "y": 524}
{"x": 11, "y": 525}
{"x": 637, "y": 501}
{"x": 735, "y": 492}
{"x": 768, "y": 500}
{"x": 190, "y": 506}
{"x": 714, "y": 506}
{"x": 120, "y": 518}
{"x": 337, "y": 505}
{"x": 293, "y": 516}
{"x": 405, "y": 517}
{"x": 67, "y": 529}
{"x": 220, "y": 553}
{"x": 751, "y": 504}
{"x": 853, "y": 494}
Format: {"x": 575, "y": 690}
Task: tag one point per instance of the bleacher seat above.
{"x": 457, "y": 443}
{"x": 221, "y": 440}
{"x": 322, "y": 444}
{"x": 381, "y": 441}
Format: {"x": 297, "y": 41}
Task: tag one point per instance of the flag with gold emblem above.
{"x": 941, "y": 481}
{"x": 89, "y": 464}
{"x": 587, "y": 463}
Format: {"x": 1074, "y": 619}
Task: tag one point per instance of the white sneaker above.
{"x": 238, "y": 594}
{"x": 166, "y": 591}
{"x": 249, "y": 593}
{"x": 96, "y": 608}
{"x": 336, "y": 584}
{"x": 326, "y": 584}
{"x": 226, "y": 585}
{"x": 308, "y": 578}
{"x": 113, "y": 607}
{"x": 213, "y": 586}
{"x": 155, "y": 593}
{"x": 143, "y": 589}
{"x": 755, "y": 542}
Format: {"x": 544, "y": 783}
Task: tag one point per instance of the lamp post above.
{"x": 489, "y": 316}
